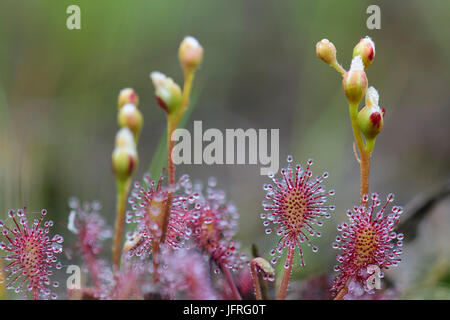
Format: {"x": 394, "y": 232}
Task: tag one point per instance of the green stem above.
{"x": 353, "y": 110}
{"x": 122, "y": 193}
{"x": 338, "y": 67}
{"x": 188, "y": 81}
{"x": 229, "y": 277}
{"x": 370, "y": 144}
{"x": 364, "y": 152}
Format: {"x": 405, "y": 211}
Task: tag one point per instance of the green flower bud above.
{"x": 129, "y": 116}
{"x": 366, "y": 49}
{"x": 167, "y": 92}
{"x": 127, "y": 95}
{"x": 354, "y": 81}
{"x": 190, "y": 53}
{"x": 124, "y": 158}
{"x": 124, "y": 139}
{"x": 326, "y": 51}
{"x": 370, "y": 117}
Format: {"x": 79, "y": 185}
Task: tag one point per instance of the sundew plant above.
{"x": 176, "y": 238}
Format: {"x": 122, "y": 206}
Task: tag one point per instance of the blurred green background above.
{"x": 58, "y": 91}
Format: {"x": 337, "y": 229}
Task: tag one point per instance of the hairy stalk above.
{"x": 122, "y": 192}
{"x": 286, "y": 275}
{"x": 264, "y": 290}
{"x": 90, "y": 260}
{"x": 229, "y": 277}
{"x": 365, "y": 172}
{"x": 256, "y": 282}
{"x": 35, "y": 293}
{"x": 155, "y": 248}
{"x": 2, "y": 283}
{"x": 341, "y": 294}
{"x": 261, "y": 283}
{"x": 172, "y": 124}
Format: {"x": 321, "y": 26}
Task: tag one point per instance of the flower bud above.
{"x": 190, "y": 53}
{"x": 127, "y": 95}
{"x": 167, "y": 92}
{"x": 124, "y": 139}
{"x": 124, "y": 157}
{"x": 370, "y": 117}
{"x": 124, "y": 163}
{"x": 366, "y": 49}
{"x": 354, "y": 81}
{"x": 326, "y": 51}
{"x": 129, "y": 116}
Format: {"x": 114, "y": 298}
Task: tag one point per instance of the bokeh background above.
{"x": 58, "y": 91}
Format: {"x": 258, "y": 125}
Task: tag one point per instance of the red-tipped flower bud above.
{"x": 190, "y": 53}
{"x": 124, "y": 158}
{"x": 129, "y": 116}
{"x": 326, "y": 51}
{"x": 127, "y": 95}
{"x": 167, "y": 92}
{"x": 366, "y": 49}
{"x": 354, "y": 81}
{"x": 370, "y": 117}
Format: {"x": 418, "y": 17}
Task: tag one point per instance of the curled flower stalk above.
{"x": 295, "y": 205}
{"x": 31, "y": 255}
{"x": 260, "y": 265}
